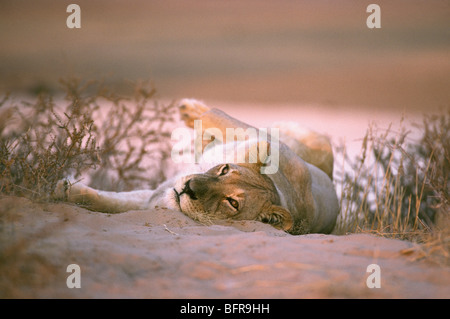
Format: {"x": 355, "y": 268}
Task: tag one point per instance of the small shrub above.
{"x": 92, "y": 130}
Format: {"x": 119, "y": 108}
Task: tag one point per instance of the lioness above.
{"x": 298, "y": 198}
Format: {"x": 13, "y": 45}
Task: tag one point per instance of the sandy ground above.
{"x": 163, "y": 254}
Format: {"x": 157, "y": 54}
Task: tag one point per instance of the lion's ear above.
{"x": 278, "y": 217}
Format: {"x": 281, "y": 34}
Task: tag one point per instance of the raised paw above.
{"x": 191, "y": 110}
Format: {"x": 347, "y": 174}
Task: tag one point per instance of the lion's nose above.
{"x": 188, "y": 191}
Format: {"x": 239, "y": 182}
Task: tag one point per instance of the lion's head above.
{"x": 231, "y": 191}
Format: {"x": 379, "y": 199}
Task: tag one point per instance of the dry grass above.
{"x": 93, "y": 130}
{"x": 399, "y": 188}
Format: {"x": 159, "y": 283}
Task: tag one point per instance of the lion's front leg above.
{"x": 102, "y": 201}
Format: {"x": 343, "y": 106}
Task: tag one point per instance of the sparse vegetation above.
{"x": 398, "y": 187}
{"x": 92, "y": 129}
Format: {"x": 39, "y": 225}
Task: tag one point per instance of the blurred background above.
{"x": 285, "y": 52}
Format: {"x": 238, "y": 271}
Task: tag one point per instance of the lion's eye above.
{"x": 224, "y": 170}
{"x": 234, "y": 203}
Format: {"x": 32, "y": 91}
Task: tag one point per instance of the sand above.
{"x": 161, "y": 253}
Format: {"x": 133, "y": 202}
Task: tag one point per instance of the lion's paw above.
{"x": 191, "y": 110}
{"x": 66, "y": 188}
{"x": 62, "y": 190}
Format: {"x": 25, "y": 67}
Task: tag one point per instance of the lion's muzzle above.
{"x": 188, "y": 191}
